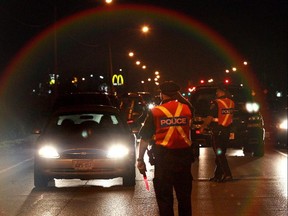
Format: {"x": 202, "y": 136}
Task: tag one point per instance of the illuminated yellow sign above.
{"x": 117, "y": 80}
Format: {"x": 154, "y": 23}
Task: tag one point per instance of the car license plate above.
{"x": 232, "y": 136}
{"x": 83, "y": 164}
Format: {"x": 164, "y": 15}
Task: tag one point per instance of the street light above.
{"x": 108, "y": 1}
{"x": 131, "y": 54}
{"x": 145, "y": 29}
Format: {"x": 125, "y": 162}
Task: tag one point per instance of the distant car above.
{"x": 85, "y": 142}
{"x": 86, "y": 98}
{"x": 148, "y": 99}
{"x": 133, "y": 109}
{"x": 247, "y": 129}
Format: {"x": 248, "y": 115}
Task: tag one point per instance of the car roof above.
{"x": 238, "y": 92}
{"x": 131, "y": 94}
{"x": 228, "y": 86}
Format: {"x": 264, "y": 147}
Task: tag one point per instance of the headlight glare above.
{"x": 117, "y": 151}
{"x": 283, "y": 125}
{"x": 151, "y": 105}
{"x": 252, "y": 107}
{"x": 48, "y": 152}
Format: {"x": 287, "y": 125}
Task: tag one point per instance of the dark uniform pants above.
{"x": 173, "y": 170}
{"x": 219, "y": 144}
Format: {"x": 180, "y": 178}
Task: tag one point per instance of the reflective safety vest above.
{"x": 172, "y": 120}
{"x": 225, "y": 111}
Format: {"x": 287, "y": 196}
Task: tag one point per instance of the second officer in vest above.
{"x": 169, "y": 124}
{"x": 220, "y": 120}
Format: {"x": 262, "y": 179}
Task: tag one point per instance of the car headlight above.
{"x": 283, "y": 124}
{"x": 252, "y": 107}
{"x": 48, "y": 152}
{"x": 117, "y": 151}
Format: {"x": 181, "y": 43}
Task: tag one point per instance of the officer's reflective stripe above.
{"x": 215, "y": 119}
{"x": 172, "y": 128}
{"x": 226, "y": 106}
{"x": 179, "y": 128}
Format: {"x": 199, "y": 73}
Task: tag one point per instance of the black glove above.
{"x": 141, "y": 167}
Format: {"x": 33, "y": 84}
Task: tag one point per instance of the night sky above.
{"x": 257, "y": 30}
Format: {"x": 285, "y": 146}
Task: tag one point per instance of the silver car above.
{"x": 85, "y": 142}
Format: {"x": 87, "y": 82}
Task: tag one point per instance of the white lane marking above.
{"x": 18, "y": 164}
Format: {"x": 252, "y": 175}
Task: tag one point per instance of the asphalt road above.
{"x": 259, "y": 188}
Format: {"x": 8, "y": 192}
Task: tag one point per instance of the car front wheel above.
{"x": 40, "y": 180}
{"x": 129, "y": 177}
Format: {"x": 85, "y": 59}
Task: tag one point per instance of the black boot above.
{"x": 226, "y": 178}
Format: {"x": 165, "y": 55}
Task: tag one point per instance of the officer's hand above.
{"x": 141, "y": 167}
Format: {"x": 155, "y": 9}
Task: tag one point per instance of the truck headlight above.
{"x": 283, "y": 124}
{"x": 48, "y": 152}
{"x": 117, "y": 151}
{"x": 252, "y": 107}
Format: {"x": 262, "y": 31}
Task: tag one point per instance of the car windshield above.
{"x": 91, "y": 122}
{"x": 202, "y": 98}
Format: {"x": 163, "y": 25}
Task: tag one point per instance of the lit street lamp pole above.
{"x": 110, "y": 70}
{"x": 144, "y": 29}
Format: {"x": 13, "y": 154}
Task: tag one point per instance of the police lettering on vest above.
{"x": 227, "y": 111}
{"x": 174, "y": 121}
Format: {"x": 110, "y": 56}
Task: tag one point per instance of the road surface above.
{"x": 259, "y": 188}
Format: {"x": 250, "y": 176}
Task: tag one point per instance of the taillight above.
{"x": 131, "y": 121}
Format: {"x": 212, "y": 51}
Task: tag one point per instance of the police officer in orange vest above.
{"x": 169, "y": 124}
{"x": 220, "y": 119}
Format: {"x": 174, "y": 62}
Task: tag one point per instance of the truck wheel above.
{"x": 259, "y": 149}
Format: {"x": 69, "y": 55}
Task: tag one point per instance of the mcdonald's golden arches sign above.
{"x": 117, "y": 80}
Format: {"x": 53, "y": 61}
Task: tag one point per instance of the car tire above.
{"x": 129, "y": 177}
{"x": 40, "y": 180}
